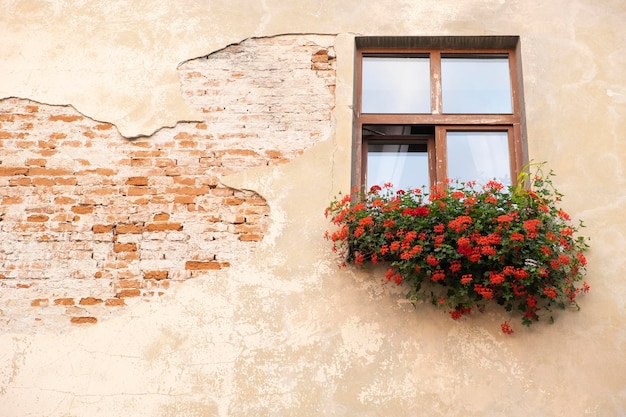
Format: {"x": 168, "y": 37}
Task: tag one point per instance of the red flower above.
{"x": 488, "y": 250}
{"x": 438, "y": 275}
{"x": 439, "y": 228}
{"x": 550, "y": 292}
{"x": 460, "y": 223}
{"x": 417, "y": 211}
{"x": 455, "y": 266}
{"x": 432, "y": 261}
{"x": 506, "y": 328}
{"x": 517, "y": 237}
{"x": 389, "y": 274}
{"x": 491, "y": 199}
{"x": 563, "y": 215}
{"x": 494, "y": 185}
{"x": 366, "y": 221}
{"x": 466, "y": 279}
{"x": 504, "y": 218}
{"x": 496, "y": 278}
{"x": 389, "y": 223}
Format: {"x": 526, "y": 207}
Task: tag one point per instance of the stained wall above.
{"x": 164, "y": 171}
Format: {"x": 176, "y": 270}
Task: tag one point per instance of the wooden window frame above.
{"x": 435, "y": 48}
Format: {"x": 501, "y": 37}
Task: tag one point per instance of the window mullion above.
{"x": 440, "y": 155}
{"x": 435, "y": 79}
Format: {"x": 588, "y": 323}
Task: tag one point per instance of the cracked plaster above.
{"x": 276, "y": 338}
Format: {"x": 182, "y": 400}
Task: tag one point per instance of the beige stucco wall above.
{"x": 286, "y": 332}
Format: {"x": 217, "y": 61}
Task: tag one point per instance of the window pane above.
{"x": 395, "y": 85}
{"x": 476, "y": 85}
{"x": 480, "y": 156}
{"x": 403, "y": 165}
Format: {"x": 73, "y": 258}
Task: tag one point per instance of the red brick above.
{"x": 65, "y": 180}
{"x": 114, "y": 302}
{"x": 82, "y": 209}
{"x": 161, "y": 217}
{"x": 89, "y": 301}
{"x": 184, "y": 199}
{"x": 156, "y": 275}
{"x": 64, "y": 200}
{"x": 202, "y": 265}
{"x": 102, "y": 228}
{"x": 65, "y": 118}
{"x": 64, "y": 302}
{"x": 127, "y": 283}
{"x": 9, "y": 171}
{"x": 40, "y": 162}
{"x": 251, "y": 237}
{"x": 128, "y": 228}
{"x": 83, "y": 320}
{"x": 43, "y": 302}
{"x": 160, "y": 227}
{"x": 128, "y": 293}
{"x": 45, "y": 182}
{"x": 233, "y": 201}
{"x": 12, "y": 200}
{"x": 37, "y": 218}
{"x": 138, "y": 181}
{"x": 103, "y": 126}
{"x": 54, "y": 136}
{"x": 106, "y": 171}
{"x": 19, "y": 182}
{"x": 124, "y": 247}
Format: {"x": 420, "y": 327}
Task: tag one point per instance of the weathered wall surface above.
{"x": 183, "y": 272}
{"x": 91, "y": 220}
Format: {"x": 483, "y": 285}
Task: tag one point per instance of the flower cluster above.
{"x": 463, "y": 246}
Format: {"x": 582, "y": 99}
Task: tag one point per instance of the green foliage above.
{"x": 462, "y": 246}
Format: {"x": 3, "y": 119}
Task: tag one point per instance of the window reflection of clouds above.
{"x": 396, "y": 85}
{"x": 480, "y": 156}
{"x": 476, "y": 85}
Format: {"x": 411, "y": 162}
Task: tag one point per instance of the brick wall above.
{"x": 91, "y": 222}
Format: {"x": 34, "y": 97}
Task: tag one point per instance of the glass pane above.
{"x": 403, "y": 165}
{"x": 395, "y": 85}
{"x": 480, "y": 156}
{"x": 476, "y": 85}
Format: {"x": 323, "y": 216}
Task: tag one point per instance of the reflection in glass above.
{"x": 395, "y": 85}
{"x": 476, "y": 85}
{"x": 403, "y": 165}
{"x": 480, "y": 156}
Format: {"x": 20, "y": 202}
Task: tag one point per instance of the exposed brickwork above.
{"x": 91, "y": 222}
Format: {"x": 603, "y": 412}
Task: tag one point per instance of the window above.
{"x": 430, "y": 108}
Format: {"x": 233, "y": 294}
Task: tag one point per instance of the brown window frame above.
{"x": 435, "y": 48}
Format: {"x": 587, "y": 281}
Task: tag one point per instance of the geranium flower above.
{"x": 470, "y": 246}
